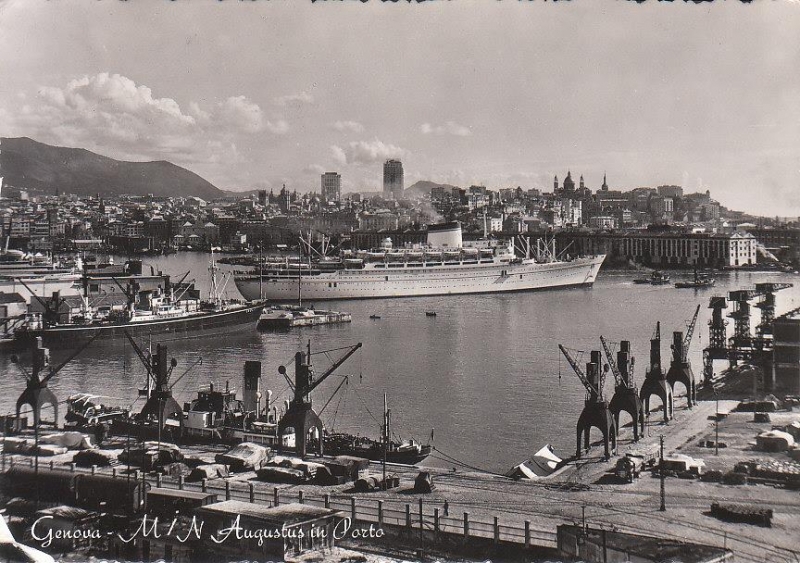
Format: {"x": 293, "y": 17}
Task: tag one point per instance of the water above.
{"x": 485, "y": 373}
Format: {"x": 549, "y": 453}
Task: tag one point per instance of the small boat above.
{"x": 430, "y": 313}
{"x": 699, "y": 281}
{"x": 656, "y": 278}
{"x": 374, "y": 316}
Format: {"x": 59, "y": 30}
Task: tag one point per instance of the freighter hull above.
{"x": 196, "y": 325}
{"x": 403, "y": 281}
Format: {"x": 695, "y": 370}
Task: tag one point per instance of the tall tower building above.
{"x": 604, "y": 187}
{"x": 393, "y": 179}
{"x": 331, "y": 186}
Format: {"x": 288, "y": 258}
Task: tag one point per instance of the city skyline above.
{"x": 698, "y": 96}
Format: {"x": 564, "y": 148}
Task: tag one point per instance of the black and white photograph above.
{"x": 385, "y": 281}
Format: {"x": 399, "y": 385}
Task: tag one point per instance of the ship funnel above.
{"x": 445, "y": 235}
{"x": 252, "y": 385}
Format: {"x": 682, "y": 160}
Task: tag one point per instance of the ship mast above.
{"x": 385, "y": 439}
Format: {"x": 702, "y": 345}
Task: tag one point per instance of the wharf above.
{"x": 582, "y": 490}
{"x": 291, "y": 317}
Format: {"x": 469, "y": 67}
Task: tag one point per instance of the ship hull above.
{"x": 186, "y": 327}
{"x": 372, "y": 282}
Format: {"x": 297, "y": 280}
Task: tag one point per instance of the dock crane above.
{"x": 160, "y": 404}
{"x": 300, "y": 414}
{"x": 680, "y": 370}
{"x": 596, "y": 412}
{"x": 655, "y": 380}
{"x": 742, "y": 345}
{"x": 36, "y": 393}
{"x": 626, "y": 395}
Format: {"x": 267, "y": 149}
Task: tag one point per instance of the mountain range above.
{"x": 29, "y": 164}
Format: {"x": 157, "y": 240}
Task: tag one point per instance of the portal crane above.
{"x": 612, "y": 363}
{"x": 593, "y": 390}
{"x": 300, "y": 415}
{"x": 596, "y": 412}
{"x": 687, "y": 339}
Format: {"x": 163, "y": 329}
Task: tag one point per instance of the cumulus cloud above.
{"x": 242, "y": 113}
{"x": 299, "y": 98}
{"x": 113, "y": 115}
{"x": 366, "y": 152}
{"x": 348, "y": 126}
{"x": 449, "y": 128}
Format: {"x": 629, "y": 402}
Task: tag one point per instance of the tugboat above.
{"x": 699, "y": 281}
{"x": 407, "y": 452}
{"x": 656, "y": 278}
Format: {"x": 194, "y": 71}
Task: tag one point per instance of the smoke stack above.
{"x": 252, "y": 385}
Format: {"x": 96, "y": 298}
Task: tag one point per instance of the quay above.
{"x": 481, "y": 514}
{"x": 285, "y": 317}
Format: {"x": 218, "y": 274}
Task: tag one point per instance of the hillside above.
{"x": 424, "y": 187}
{"x": 29, "y": 164}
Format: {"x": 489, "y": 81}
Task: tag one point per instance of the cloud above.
{"x": 348, "y": 126}
{"x": 111, "y": 114}
{"x": 242, "y": 113}
{"x": 278, "y": 127}
{"x": 299, "y": 98}
{"x": 449, "y": 128}
{"x": 366, "y": 152}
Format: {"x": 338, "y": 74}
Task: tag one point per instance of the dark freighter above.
{"x": 162, "y": 308}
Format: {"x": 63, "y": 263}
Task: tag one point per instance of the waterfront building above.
{"x": 331, "y": 186}
{"x": 667, "y": 249}
{"x": 393, "y": 179}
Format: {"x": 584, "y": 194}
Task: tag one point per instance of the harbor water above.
{"x": 484, "y": 375}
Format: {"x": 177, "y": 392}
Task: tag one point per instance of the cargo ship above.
{"x": 445, "y": 265}
{"x": 168, "y": 308}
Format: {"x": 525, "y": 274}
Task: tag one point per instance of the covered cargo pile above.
{"x": 774, "y": 441}
{"x": 28, "y": 447}
{"x": 786, "y": 472}
{"x": 208, "y": 471}
{"x": 69, "y": 440}
{"x": 743, "y": 514}
{"x": 542, "y": 464}
{"x": 100, "y": 458}
{"x": 681, "y": 463}
{"x": 246, "y": 456}
{"x": 151, "y": 455}
{"x": 292, "y": 470}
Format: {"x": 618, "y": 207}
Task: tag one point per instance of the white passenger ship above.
{"x": 444, "y": 266}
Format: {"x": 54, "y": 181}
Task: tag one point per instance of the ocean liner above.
{"x": 445, "y": 265}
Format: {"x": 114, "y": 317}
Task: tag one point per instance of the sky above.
{"x": 503, "y": 93}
